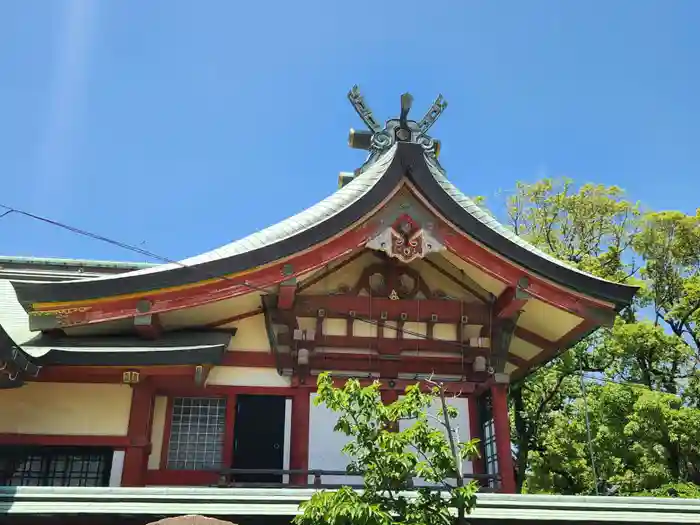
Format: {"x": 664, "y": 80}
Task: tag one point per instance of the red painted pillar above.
{"x": 389, "y": 396}
{"x": 475, "y": 432}
{"x": 139, "y": 434}
{"x": 501, "y": 423}
{"x": 299, "y": 446}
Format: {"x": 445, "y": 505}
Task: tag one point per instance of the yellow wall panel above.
{"x": 66, "y": 409}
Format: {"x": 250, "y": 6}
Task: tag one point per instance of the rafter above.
{"x": 510, "y": 302}
{"x": 287, "y": 293}
{"x": 580, "y": 331}
{"x": 148, "y": 326}
{"x": 330, "y": 270}
{"x": 465, "y": 282}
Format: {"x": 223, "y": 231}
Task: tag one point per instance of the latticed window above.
{"x": 488, "y": 437}
{"x": 197, "y": 431}
{"x": 55, "y": 466}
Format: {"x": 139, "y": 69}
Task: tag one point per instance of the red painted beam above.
{"x": 507, "y": 272}
{"x": 400, "y": 385}
{"x": 148, "y": 326}
{"x": 409, "y": 364}
{"x": 50, "y": 440}
{"x": 233, "y": 318}
{"x": 95, "y": 374}
{"x": 287, "y": 293}
{"x": 371, "y": 307}
{"x": 571, "y": 338}
{"x": 212, "y": 290}
{"x": 390, "y": 369}
{"x": 392, "y": 347}
{"x": 508, "y": 303}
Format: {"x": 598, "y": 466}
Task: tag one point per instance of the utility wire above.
{"x": 129, "y": 247}
{"x": 588, "y": 429}
{"x": 147, "y": 253}
{"x": 108, "y": 240}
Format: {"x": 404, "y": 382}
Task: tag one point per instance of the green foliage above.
{"x": 642, "y": 376}
{"x": 672, "y": 490}
{"x": 389, "y": 459}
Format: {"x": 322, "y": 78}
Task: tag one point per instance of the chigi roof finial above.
{"x": 401, "y": 129}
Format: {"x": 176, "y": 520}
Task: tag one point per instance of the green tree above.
{"x": 592, "y": 228}
{"x": 643, "y": 385}
{"x": 388, "y": 459}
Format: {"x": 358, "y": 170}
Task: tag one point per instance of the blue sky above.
{"x": 180, "y": 126}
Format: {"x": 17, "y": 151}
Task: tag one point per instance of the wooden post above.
{"x": 139, "y": 434}
{"x": 476, "y": 433}
{"x": 389, "y": 396}
{"x": 499, "y": 403}
{"x": 299, "y": 447}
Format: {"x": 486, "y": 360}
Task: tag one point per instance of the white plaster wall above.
{"x": 160, "y": 408}
{"x": 115, "y": 475}
{"x": 461, "y": 423}
{"x": 325, "y": 445}
{"x": 286, "y": 453}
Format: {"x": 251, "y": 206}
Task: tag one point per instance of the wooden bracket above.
{"x": 148, "y": 326}
{"x": 502, "y": 336}
{"x": 510, "y": 302}
{"x": 287, "y": 293}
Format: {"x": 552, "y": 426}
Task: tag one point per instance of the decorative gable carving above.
{"x": 406, "y": 240}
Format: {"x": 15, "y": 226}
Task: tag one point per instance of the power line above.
{"x": 136, "y": 249}
{"x": 147, "y": 253}
{"x": 588, "y": 428}
{"x": 600, "y": 379}
{"x": 113, "y": 242}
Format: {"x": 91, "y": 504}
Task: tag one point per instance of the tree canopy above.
{"x": 619, "y": 412}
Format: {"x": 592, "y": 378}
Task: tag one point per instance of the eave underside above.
{"x": 541, "y": 330}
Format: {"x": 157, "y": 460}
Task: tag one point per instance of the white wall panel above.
{"x": 287, "y": 438}
{"x": 325, "y": 445}
{"x": 461, "y": 423}
{"x": 115, "y": 475}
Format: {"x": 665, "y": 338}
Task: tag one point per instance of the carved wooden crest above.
{"x": 406, "y": 240}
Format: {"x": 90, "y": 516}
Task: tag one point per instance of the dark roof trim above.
{"x": 209, "y": 355}
{"x": 420, "y": 175}
{"x": 29, "y": 293}
{"x": 17, "y": 364}
{"x": 408, "y": 160}
{"x": 173, "y": 348}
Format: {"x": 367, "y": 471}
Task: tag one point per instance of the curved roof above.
{"x": 381, "y": 175}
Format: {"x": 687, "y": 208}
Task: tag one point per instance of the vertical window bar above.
{"x": 488, "y": 433}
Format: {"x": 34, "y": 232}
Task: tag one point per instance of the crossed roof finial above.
{"x": 365, "y": 113}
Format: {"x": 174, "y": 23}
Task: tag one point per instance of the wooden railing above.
{"x": 300, "y": 478}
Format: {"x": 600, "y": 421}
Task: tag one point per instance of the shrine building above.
{"x": 202, "y": 373}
